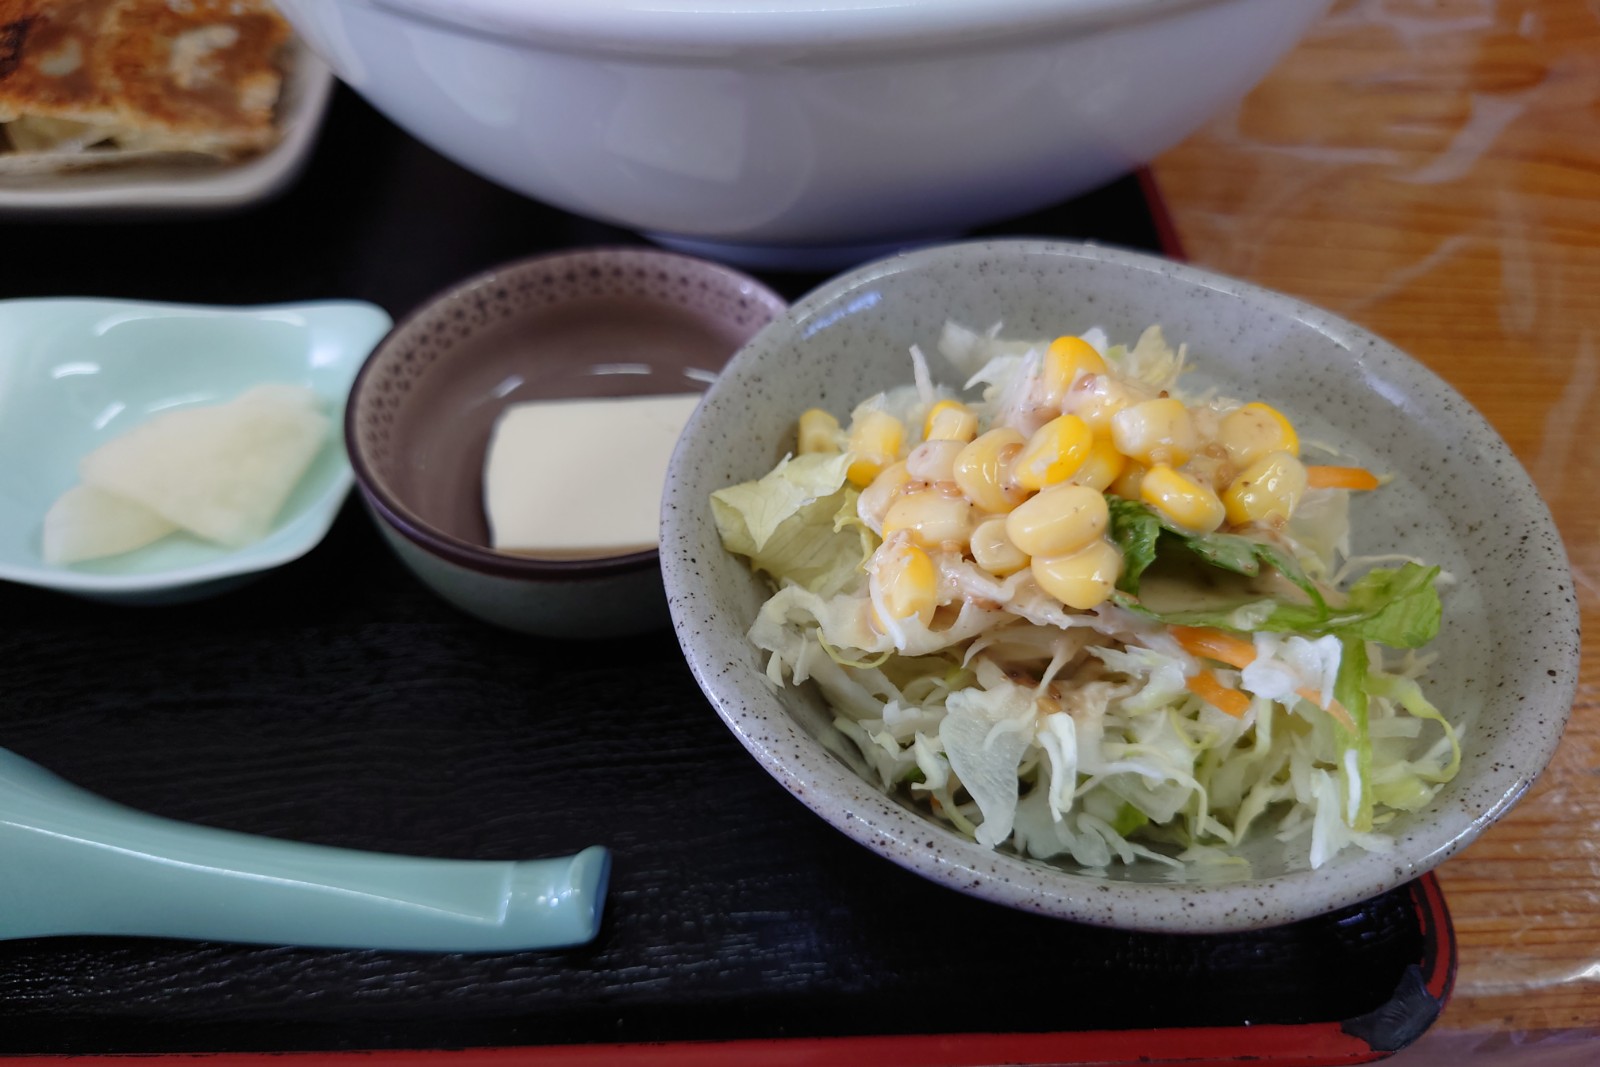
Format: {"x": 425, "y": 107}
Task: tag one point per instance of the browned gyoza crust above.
{"x": 173, "y": 75}
{"x": 47, "y": 65}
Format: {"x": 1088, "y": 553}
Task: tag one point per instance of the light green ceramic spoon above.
{"x": 74, "y": 863}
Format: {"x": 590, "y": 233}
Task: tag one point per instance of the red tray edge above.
{"x": 1326, "y": 1044}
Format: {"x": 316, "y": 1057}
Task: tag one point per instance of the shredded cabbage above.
{"x": 1087, "y": 733}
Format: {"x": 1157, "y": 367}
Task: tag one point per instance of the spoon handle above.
{"x": 75, "y": 863}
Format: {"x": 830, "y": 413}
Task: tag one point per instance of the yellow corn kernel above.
{"x": 934, "y": 461}
{"x": 993, "y": 551}
{"x": 1254, "y": 430}
{"x": 1128, "y": 482}
{"x": 932, "y": 519}
{"x": 873, "y": 504}
{"x": 1102, "y": 466}
{"x": 983, "y": 470}
{"x": 1082, "y": 579}
{"x": 1054, "y": 452}
{"x": 1066, "y": 359}
{"x": 875, "y": 442}
{"x": 1182, "y": 499}
{"x": 1058, "y": 521}
{"x": 1155, "y": 431}
{"x": 904, "y": 583}
{"x": 819, "y": 432}
{"x": 1095, "y": 398}
{"x": 1268, "y": 491}
{"x": 949, "y": 420}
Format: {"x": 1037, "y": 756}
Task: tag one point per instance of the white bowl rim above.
{"x": 871, "y": 816}
{"x": 702, "y": 27}
{"x": 320, "y": 514}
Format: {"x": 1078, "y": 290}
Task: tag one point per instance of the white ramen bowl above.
{"x": 797, "y": 132}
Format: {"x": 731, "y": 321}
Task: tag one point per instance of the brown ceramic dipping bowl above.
{"x": 606, "y": 322}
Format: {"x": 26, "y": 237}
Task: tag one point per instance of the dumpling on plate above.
{"x": 87, "y": 82}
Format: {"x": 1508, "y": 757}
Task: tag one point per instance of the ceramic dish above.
{"x": 592, "y": 323}
{"x": 1507, "y": 652}
{"x": 79, "y": 372}
{"x": 165, "y": 188}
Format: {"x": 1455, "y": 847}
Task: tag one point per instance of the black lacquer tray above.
{"x": 337, "y": 701}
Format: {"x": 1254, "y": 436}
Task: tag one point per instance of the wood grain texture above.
{"x": 1431, "y": 170}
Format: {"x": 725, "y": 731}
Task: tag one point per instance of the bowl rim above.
{"x": 459, "y": 551}
{"x": 874, "y": 819}
{"x": 248, "y": 559}
{"x": 693, "y": 27}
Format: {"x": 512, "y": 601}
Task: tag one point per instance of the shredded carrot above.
{"x": 1340, "y": 478}
{"x": 1215, "y": 644}
{"x": 1209, "y": 687}
{"x": 1219, "y": 645}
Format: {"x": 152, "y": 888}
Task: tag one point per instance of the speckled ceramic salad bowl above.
{"x": 1507, "y": 650}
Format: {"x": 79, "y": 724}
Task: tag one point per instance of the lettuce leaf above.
{"x": 798, "y": 523}
{"x": 1398, "y": 607}
{"x": 1134, "y": 529}
{"x": 1411, "y": 792}
{"x": 1142, "y": 533}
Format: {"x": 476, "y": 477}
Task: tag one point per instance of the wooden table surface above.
{"x": 1431, "y": 170}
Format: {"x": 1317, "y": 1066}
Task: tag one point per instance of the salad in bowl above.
{"x": 1200, "y": 629}
{"x": 1089, "y": 613}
